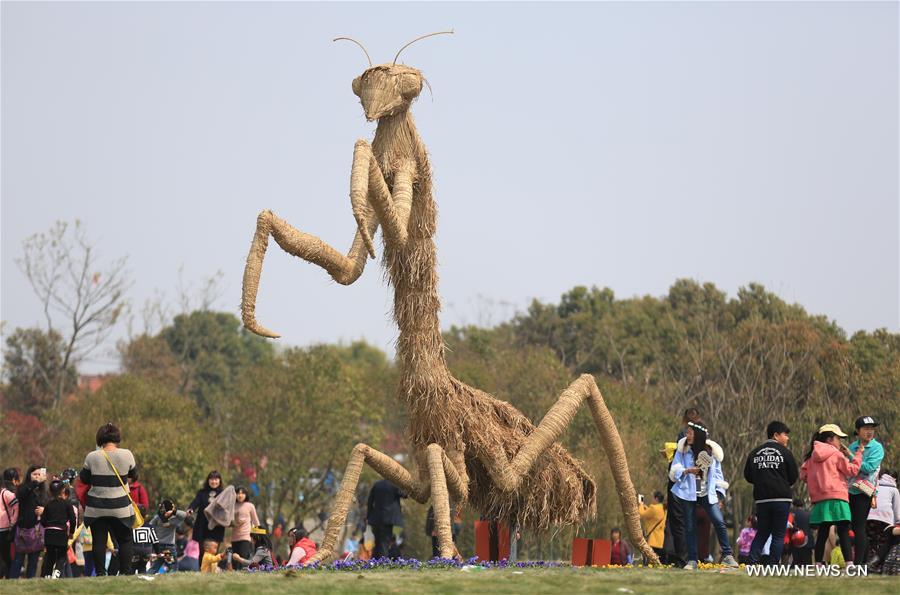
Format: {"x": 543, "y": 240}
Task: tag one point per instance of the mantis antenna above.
{"x": 450, "y": 32}
{"x": 360, "y": 47}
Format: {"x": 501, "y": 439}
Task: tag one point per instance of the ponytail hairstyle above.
{"x": 10, "y": 476}
{"x": 56, "y": 488}
{"x": 818, "y": 437}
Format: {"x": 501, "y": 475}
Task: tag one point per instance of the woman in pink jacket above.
{"x": 825, "y": 470}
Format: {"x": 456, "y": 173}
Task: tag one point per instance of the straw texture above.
{"x": 468, "y": 445}
{"x": 385, "y": 466}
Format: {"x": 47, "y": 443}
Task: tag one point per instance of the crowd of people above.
{"x": 853, "y": 518}
{"x": 94, "y": 522}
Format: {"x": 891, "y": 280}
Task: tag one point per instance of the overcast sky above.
{"x": 612, "y": 144}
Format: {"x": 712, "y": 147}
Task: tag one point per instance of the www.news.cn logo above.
{"x": 832, "y": 570}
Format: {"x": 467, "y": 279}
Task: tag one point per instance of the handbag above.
{"x": 29, "y": 540}
{"x": 865, "y": 486}
{"x": 138, "y": 517}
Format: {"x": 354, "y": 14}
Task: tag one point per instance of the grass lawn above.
{"x": 554, "y": 580}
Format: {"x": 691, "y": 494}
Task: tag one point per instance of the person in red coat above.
{"x": 139, "y": 493}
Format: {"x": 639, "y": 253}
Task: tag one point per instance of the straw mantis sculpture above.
{"x": 468, "y": 445}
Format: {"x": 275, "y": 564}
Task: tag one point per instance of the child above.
{"x": 245, "y": 518}
{"x": 210, "y": 562}
{"x": 745, "y": 540}
{"x": 77, "y": 548}
{"x": 262, "y": 556}
{"x": 59, "y": 522}
{"x": 825, "y": 471}
{"x": 188, "y": 550}
{"x": 167, "y": 522}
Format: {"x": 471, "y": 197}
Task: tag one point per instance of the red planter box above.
{"x": 492, "y": 541}
{"x": 591, "y": 552}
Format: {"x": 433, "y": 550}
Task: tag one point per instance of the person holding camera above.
{"x": 32, "y": 495}
{"x": 167, "y": 521}
{"x": 654, "y": 519}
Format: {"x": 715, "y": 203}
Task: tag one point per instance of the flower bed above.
{"x": 411, "y": 564}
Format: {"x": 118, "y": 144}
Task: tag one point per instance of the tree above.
{"x": 170, "y": 441}
{"x": 211, "y": 350}
{"x": 34, "y": 370}
{"x": 81, "y": 300}
{"x": 23, "y": 439}
{"x": 301, "y": 413}
{"x": 149, "y": 357}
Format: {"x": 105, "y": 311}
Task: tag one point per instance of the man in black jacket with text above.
{"x": 772, "y": 470}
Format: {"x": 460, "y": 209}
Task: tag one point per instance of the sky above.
{"x": 622, "y": 144}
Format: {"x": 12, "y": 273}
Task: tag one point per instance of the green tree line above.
{"x": 201, "y": 393}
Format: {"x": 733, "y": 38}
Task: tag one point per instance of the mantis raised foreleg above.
{"x": 371, "y": 200}
{"x": 508, "y": 475}
{"x": 369, "y": 191}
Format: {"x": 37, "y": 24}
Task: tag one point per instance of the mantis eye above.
{"x": 410, "y": 85}
{"x": 356, "y": 83}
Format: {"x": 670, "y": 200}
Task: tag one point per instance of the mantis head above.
{"x": 387, "y": 89}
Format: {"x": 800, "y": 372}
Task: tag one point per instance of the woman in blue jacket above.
{"x": 697, "y": 475}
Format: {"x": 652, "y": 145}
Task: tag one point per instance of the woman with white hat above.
{"x": 825, "y": 470}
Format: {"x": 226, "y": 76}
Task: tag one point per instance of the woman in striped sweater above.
{"x": 107, "y": 507}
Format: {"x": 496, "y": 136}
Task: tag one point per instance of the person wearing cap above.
{"x": 825, "y": 470}
{"x": 863, "y": 484}
{"x": 262, "y": 555}
{"x": 772, "y": 469}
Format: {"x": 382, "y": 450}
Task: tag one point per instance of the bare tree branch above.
{"x": 75, "y": 291}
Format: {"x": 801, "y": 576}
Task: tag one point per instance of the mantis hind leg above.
{"x": 385, "y": 466}
{"x": 443, "y": 475}
{"x": 508, "y": 475}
